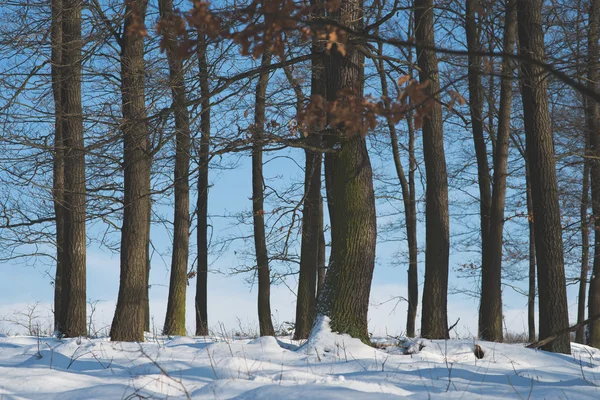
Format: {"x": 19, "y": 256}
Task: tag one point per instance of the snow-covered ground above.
{"x": 328, "y": 366}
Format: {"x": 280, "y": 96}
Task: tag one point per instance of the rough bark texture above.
{"x": 434, "y": 321}
{"x": 58, "y": 183}
{"x": 201, "y": 300}
{"x": 312, "y": 217}
{"x": 531, "y": 291}
{"x": 490, "y": 311}
{"x": 350, "y": 197}
{"x": 128, "y": 322}
{"x": 593, "y": 124}
{"x": 544, "y": 189}
{"x": 175, "y": 318}
{"x": 260, "y": 243}
{"x": 73, "y": 292}
{"x": 490, "y": 308}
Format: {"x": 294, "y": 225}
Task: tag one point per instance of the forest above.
{"x": 439, "y": 127}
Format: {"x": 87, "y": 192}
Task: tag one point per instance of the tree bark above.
{"x": 490, "y": 311}
{"x": 128, "y": 322}
{"x": 58, "y": 184}
{"x": 593, "y": 124}
{"x": 73, "y": 293}
{"x": 434, "y": 321}
{"x": 322, "y": 267}
{"x": 553, "y": 307}
{"x": 490, "y": 308}
{"x": 175, "y": 318}
{"x": 312, "y": 211}
{"x": 532, "y": 264}
{"x": 350, "y": 196}
{"x": 585, "y": 245}
{"x": 202, "y": 202}
{"x": 260, "y": 241}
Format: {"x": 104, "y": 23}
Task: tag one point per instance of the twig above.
{"x": 553, "y": 337}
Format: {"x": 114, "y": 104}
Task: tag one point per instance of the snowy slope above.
{"x": 328, "y": 366}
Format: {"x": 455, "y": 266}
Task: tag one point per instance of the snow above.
{"x": 327, "y": 366}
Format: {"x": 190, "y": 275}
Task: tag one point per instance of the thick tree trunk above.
{"x": 531, "y": 291}
{"x": 202, "y": 202}
{"x": 260, "y": 241}
{"x": 128, "y": 322}
{"x": 490, "y": 311}
{"x": 58, "y": 184}
{"x": 554, "y": 315}
{"x": 312, "y": 212}
{"x": 350, "y": 197}
{"x": 593, "y": 124}
{"x": 73, "y": 293}
{"x": 434, "y": 321}
{"x": 175, "y": 318}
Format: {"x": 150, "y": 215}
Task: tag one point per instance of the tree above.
{"x": 490, "y": 311}
{"x": 312, "y": 211}
{"x": 58, "y": 167}
{"x": 544, "y": 190}
{"x": 585, "y": 240}
{"x": 408, "y": 194}
{"x": 175, "y": 318}
{"x": 434, "y": 320}
{"x": 73, "y": 282}
{"x": 258, "y": 212}
{"x": 593, "y": 124}
{"x": 202, "y": 202}
{"x": 128, "y": 322}
{"x": 350, "y": 196}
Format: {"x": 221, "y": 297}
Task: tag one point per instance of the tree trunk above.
{"x": 490, "y": 311}
{"x": 553, "y": 307}
{"x": 202, "y": 202}
{"x": 128, "y": 322}
{"x": 434, "y": 321}
{"x": 260, "y": 241}
{"x": 593, "y": 124}
{"x": 322, "y": 267}
{"x": 148, "y": 267}
{"x": 350, "y": 197}
{"x": 531, "y": 291}
{"x": 312, "y": 217}
{"x": 175, "y": 318}
{"x": 73, "y": 291}
{"x": 585, "y": 243}
{"x": 490, "y": 308}
{"x": 409, "y": 207}
{"x": 58, "y": 184}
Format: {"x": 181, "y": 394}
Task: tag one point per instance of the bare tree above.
{"x": 175, "y": 318}
{"x": 128, "y": 323}
{"x": 544, "y": 190}
{"x": 434, "y": 320}
{"x": 73, "y": 281}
